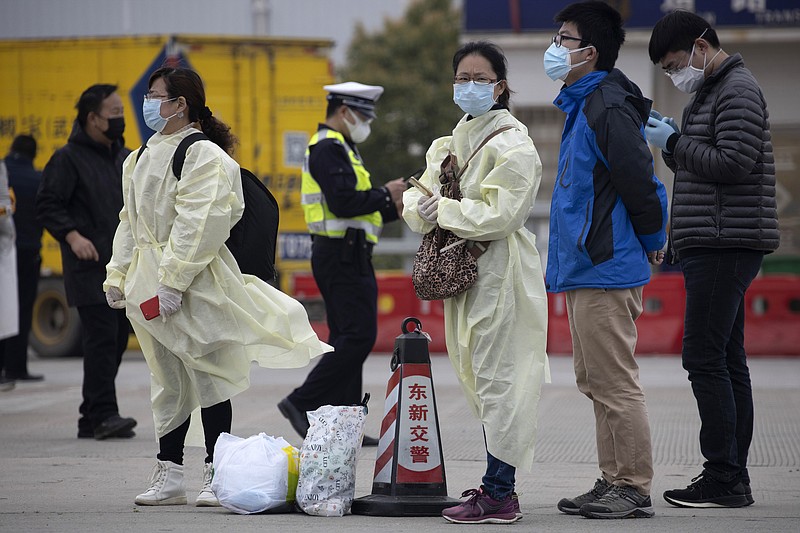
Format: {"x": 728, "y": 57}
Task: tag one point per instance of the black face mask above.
{"x": 116, "y": 126}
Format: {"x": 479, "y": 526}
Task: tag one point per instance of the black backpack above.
{"x": 253, "y": 239}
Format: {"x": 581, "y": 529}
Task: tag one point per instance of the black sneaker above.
{"x": 296, "y": 417}
{"x": 114, "y": 426}
{"x": 705, "y": 491}
{"x": 748, "y": 493}
{"x": 573, "y": 505}
{"x": 84, "y": 433}
{"x": 6, "y": 384}
{"x": 619, "y": 502}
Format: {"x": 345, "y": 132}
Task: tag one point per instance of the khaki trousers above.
{"x": 602, "y": 324}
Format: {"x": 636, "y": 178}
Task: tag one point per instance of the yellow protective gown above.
{"x": 172, "y": 232}
{"x": 496, "y": 332}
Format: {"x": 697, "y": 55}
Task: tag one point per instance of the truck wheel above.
{"x": 56, "y": 328}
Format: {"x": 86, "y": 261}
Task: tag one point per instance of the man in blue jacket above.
{"x": 607, "y": 221}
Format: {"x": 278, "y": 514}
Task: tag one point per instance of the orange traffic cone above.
{"x": 409, "y": 475}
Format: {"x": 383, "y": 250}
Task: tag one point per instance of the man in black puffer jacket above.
{"x": 78, "y": 202}
{"x": 724, "y": 220}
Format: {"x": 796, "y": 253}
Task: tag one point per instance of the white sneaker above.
{"x": 166, "y": 486}
{"x": 206, "y": 497}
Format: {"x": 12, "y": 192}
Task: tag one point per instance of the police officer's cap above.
{"x": 356, "y": 95}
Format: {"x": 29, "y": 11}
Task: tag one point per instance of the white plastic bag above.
{"x": 256, "y": 474}
{"x": 328, "y": 459}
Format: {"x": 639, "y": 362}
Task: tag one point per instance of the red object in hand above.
{"x": 150, "y": 308}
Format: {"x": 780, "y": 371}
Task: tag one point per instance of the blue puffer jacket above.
{"x": 608, "y": 207}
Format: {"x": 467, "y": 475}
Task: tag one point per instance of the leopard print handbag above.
{"x": 446, "y": 265}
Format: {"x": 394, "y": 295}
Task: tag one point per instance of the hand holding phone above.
{"x": 426, "y": 191}
{"x": 150, "y": 308}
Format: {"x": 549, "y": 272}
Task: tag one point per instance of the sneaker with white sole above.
{"x": 481, "y": 508}
{"x": 620, "y": 502}
{"x": 206, "y": 498}
{"x": 573, "y": 505}
{"x": 166, "y": 486}
{"x": 705, "y": 491}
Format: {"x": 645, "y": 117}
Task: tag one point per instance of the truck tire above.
{"x": 56, "y": 327}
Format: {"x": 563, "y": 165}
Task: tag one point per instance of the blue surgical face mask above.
{"x": 474, "y": 99}
{"x": 151, "y": 111}
{"x": 556, "y": 61}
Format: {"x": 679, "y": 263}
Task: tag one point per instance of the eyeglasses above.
{"x": 671, "y": 71}
{"x": 558, "y": 39}
{"x": 148, "y": 97}
{"x": 460, "y": 80}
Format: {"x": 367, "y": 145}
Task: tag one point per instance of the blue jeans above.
{"x": 714, "y": 355}
{"x": 499, "y": 480}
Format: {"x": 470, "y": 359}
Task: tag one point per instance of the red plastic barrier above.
{"x": 772, "y": 324}
{"x": 772, "y": 316}
{"x": 396, "y": 301}
{"x": 660, "y": 325}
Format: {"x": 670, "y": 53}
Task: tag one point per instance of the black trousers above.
{"x": 14, "y": 350}
{"x": 347, "y": 284}
{"x": 105, "y": 337}
{"x": 714, "y": 356}
{"x": 216, "y": 419}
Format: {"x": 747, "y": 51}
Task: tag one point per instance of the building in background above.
{"x": 765, "y": 32}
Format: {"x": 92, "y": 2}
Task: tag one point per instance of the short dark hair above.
{"x": 24, "y": 145}
{"x": 600, "y": 25}
{"x": 91, "y": 100}
{"x": 677, "y": 31}
{"x": 496, "y": 58}
{"x": 333, "y": 105}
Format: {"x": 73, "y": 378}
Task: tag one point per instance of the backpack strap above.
{"x": 140, "y": 152}
{"x": 180, "y": 153}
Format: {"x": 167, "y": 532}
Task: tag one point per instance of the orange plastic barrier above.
{"x": 772, "y": 316}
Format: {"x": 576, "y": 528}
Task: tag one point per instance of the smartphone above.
{"x": 413, "y": 181}
{"x": 150, "y": 308}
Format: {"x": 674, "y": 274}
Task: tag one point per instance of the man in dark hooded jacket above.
{"x": 78, "y": 202}
{"x": 607, "y": 220}
{"x": 24, "y": 180}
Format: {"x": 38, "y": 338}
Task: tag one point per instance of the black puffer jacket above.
{"x": 81, "y": 190}
{"x": 724, "y": 193}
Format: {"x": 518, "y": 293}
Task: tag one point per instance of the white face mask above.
{"x": 151, "y": 111}
{"x": 689, "y": 79}
{"x": 557, "y": 62}
{"x": 358, "y": 131}
{"x": 473, "y": 98}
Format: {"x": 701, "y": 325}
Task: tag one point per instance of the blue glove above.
{"x": 669, "y": 120}
{"x": 658, "y": 133}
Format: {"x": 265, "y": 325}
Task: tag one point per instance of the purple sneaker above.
{"x": 481, "y": 508}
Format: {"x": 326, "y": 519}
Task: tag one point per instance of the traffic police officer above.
{"x": 344, "y": 214}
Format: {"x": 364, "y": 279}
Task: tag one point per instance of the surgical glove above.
{"x": 671, "y": 122}
{"x": 658, "y": 133}
{"x": 428, "y": 208}
{"x": 115, "y": 298}
{"x": 656, "y": 115}
{"x": 169, "y": 300}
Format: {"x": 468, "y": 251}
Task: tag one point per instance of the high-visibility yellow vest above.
{"x": 319, "y": 219}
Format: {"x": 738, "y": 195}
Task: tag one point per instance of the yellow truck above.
{"x": 269, "y": 90}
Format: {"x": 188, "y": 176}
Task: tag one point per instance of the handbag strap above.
{"x": 488, "y": 138}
